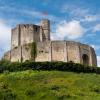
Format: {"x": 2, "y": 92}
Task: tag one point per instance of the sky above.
{"x": 76, "y": 20}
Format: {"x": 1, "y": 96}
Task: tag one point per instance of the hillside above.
{"x": 49, "y": 85}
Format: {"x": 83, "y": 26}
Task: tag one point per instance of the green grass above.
{"x": 49, "y": 85}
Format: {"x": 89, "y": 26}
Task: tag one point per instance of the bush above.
{"x": 61, "y": 66}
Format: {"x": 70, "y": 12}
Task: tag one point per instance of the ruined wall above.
{"x": 16, "y": 54}
{"x": 15, "y": 37}
{"x": 29, "y": 34}
{"x": 26, "y": 34}
{"x": 58, "y": 51}
{"x": 73, "y": 52}
{"x": 43, "y": 51}
{"x": 26, "y": 52}
{"x": 21, "y": 53}
{"x": 53, "y": 51}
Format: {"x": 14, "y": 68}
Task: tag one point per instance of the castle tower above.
{"x": 45, "y": 28}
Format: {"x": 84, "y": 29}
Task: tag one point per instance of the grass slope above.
{"x": 49, "y": 85}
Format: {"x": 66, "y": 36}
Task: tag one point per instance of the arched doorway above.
{"x": 85, "y": 59}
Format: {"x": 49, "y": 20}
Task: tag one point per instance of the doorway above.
{"x": 85, "y": 59}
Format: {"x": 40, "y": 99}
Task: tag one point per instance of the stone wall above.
{"x": 85, "y": 49}
{"x": 29, "y": 34}
{"x": 16, "y": 54}
{"x": 21, "y": 53}
{"x": 26, "y": 52}
{"x": 54, "y": 51}
{"x": 93, "y": 57}
{"x": 24, "y": 34}
{"x": 58, "y": 51}
{"x": 45, "y": 24}
{"x": 43, "y": 51}
{"x": 15, "y": 37}
{"x": 73, "y": 53}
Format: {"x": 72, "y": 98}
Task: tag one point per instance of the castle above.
{"x": 32, "y": 42}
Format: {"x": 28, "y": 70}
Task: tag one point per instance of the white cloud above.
{"x": 96, "y": 28}
{"x": 5, "y": 35}
{"x": 91, "y": 18}
{"x": 98, "y": 61}
{"x": 41, "y": 15}
{"x": 83, "y": 14}
{"x": 74, "y": 11}
{"x": 70, "y": 30}
{"x": 96, "y": 47}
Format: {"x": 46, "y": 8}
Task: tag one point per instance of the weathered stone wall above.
{"x": 29, "y": 34}
{"x": 26, "y": 34}
{"x": 73, "y": 53}
{"x": 36, "y": 33}
{"x": 53, "y": 51}
{"x": 15, "y": 37}
{"x": 21, "y": 53}
{"x": 16, "y": 54}
{"x": 58, "y": 51}
{"x": 45, "y": 29}
{"x": 93, "y": 57}
{"x": 26, "y": 52}
{"x": 43, "y": 51}
{"x": 85, "y": 49}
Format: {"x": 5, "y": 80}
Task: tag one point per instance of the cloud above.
{"x": 5, "y": 35}
{"x": 96, "y": 47}
{"x": 74, "y": 10}
{"x": 91, "y": 18}
{"x": 96, "y": 28}
{"x": 84, "y": 14}
{"x": 70, "y": 30}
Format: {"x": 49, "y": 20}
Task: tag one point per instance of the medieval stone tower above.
{"x": 32, "y": 42}
{"x": 28, "y": 33}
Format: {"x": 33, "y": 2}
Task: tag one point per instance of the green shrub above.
{"x": 61, "y": 66}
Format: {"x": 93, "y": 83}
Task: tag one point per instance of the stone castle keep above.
{"x": 32, "y": 42}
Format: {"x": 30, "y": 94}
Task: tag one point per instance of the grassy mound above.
{"x": 49, "y": 85}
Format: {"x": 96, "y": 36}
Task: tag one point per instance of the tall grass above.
{"x": 49, "y": 85}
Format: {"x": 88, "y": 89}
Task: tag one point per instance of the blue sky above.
{"x": 77, "y": 20}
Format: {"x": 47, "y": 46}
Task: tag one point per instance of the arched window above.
{"x": 85, "y": 59}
